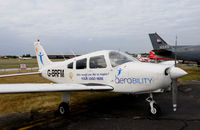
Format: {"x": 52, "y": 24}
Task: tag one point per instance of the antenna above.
{"x": 63, "y": 56}
{"x": 73, "y": 52}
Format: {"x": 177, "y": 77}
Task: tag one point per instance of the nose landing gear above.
{"x": 154, "y": 110}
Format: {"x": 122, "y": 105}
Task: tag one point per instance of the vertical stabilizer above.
{"x": 157, "y": 42}
{"x": 41, "y": 55}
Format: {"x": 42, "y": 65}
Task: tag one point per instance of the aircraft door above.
{"x": 98, "y": 70}
{"x": 81, "y": 71}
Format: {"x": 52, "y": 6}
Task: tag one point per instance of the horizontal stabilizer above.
{"x": 33, "y": 88}
{"x": 19, "y": 74}
{"x": 163, "y": 52}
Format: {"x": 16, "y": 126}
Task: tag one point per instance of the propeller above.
{"x": 174, "y": 73}
{"x": 174, "y": 83}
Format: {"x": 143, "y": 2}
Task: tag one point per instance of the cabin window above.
{"x": 118, "y": 58}
{"x": 97, "y": 62}
{"x": 81, "y": 64}
{"x": 70, "y": 66}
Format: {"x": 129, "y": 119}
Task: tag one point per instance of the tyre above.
{"x": 155, "y": 113}
{"x": 63, "y": 109}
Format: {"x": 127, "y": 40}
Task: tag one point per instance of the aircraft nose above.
{"x": 176, "y": 72}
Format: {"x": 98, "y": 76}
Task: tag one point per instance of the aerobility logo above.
{"x": 131, "y": 80}
{"x": 119, "y": 71}
{"x": 40, "y": 55}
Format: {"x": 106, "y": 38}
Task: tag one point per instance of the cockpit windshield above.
{"x": 118, "y": 58}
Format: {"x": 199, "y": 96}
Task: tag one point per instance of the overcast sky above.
{"x": 89, "y": 25}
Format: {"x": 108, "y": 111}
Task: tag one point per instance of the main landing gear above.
{"x": 154, "y": 110}
{"x": 63, "y": 108}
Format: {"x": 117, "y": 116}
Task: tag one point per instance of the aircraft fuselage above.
{"x": 186, "y": 53}
{"x": 130, "y": 77}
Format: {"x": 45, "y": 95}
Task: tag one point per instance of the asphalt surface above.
{"x": 122, "y": 112}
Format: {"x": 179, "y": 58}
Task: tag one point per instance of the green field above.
{"x": 15, "y": 63}
{"x": 193, "y": 74}
{"x": 42, "y": 102}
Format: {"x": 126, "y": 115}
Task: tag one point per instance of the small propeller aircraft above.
{"x": 153, "y": 56}
{"x": 107, "y": 70}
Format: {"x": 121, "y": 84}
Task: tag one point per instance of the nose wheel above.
{"x": 154, "y": 110}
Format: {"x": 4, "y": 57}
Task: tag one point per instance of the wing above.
{"x": 30, "y": 88}
{"x": 19, "y": 74}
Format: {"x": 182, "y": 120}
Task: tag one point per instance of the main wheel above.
{"x": 63, "y": 109}
{"x": 155, "y": 112}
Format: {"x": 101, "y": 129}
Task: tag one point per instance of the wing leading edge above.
{"x": 32, "y": 88}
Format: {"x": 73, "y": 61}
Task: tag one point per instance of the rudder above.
{"x": 41, "y": 55}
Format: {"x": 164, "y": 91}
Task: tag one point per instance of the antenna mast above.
{"x": 73, "y": 52}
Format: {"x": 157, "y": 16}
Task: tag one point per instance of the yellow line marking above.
{"x": 38, "y": 124}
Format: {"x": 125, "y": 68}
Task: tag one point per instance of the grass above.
{"x": 193, "y": 74}
{"x": 25, "y": 102}
{"x": 42, "y": 102}
{"x": 15, "y": 63}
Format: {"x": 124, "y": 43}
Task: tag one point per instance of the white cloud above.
{"x": 111, "y": 20}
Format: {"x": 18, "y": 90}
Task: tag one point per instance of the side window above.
{"x": 81, "y": 64}
{"x": 97, "y": 62}
{"x": 70, "y": 66}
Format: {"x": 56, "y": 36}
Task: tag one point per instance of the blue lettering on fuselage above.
{"x": 133, "y": 80}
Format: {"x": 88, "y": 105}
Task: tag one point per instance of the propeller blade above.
{"x": 175, "y": 73}
{"x": 174, "y": 94}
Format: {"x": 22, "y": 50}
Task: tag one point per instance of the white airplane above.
{"x": 107, "y": 70}
{"x": 25, "y": 58}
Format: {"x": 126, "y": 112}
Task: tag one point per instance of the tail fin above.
{"x": 41, "y": 55}
{"x": 157, "y": 42}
